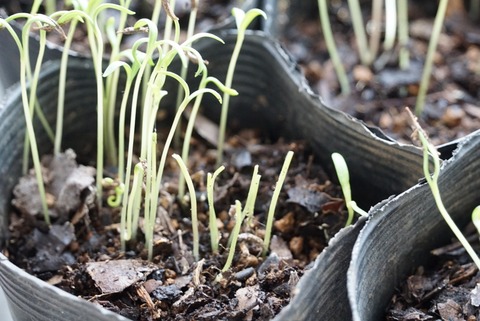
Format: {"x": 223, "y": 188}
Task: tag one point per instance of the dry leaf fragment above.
{"x": 116, "y": 276}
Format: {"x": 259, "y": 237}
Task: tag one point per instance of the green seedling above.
{"x": 183, "y": 72}
{"x": 252, "y": 196}
{"x": 242, "y": 21}
{"x": 212, "y": 217}
{"x": 429, "y": 151}
{"x": 181, "y": 109}
{"x": 131, "y": 72}
{"x": 151, "y": 196}
{"x": 89, "y": 13}
{"x": 273, "y": 202}
{"x": 73, "y": 18}
{"x": 332, "y": 48}
{"x": 239, "y": 217}
{"x": 41, "y": 22}
{"x": 34, "y": 106}
{"x": 129, "y": 222}
{"x": 432, "y": 47}
{"x": 344, "y": 180}
{"x": 189, "y": 97}
{"x": 476, "y": 218}
{"x": 193, "y": 205}
{"x": 111, "y": 85}
{"x": 153, "y": 97}
{"x": 33, "y": 102}
{"x": 248, "y": 210}
{"x": 140, "y": 62}
{"x": 115, "y": 199}
{"x": 191, "y": 121}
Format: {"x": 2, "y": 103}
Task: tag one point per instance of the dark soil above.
{"x": 381, "y": 91}
{"x": 80, "y": 252}
{"x": 448, "y": 289}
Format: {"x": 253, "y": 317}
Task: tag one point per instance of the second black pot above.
{"x": 399, "y": 236}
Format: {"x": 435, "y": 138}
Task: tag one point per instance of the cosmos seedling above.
{"x": 212, "y": 217}
{"x": 239, "y": 216}
{"x": 64, "y": 17}
{"x": 111, "y": 84}
{"x": 28, "y": 101}
{"x": 193, "y": 205}
{"x": 89, "y": 12}
{"x": 242, "y": 20}
{"x": 183, "y": 72}
{"x": 252, "y": 196}
{"x": 191, "y": 121}
{"x": 273, "y": 202}
{"x": 344, "y": 180}
{"x": 429, "y": 151}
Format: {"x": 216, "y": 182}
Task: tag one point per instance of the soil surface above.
{"x": 80, "y": 252}
{"x": 448, "y": 289}
{"x": 380, "y": 92}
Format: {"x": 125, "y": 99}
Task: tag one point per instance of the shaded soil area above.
{"x": 382, "y": 90}
{"x": 80, "y": 252}
{"x": 448, "y": 289}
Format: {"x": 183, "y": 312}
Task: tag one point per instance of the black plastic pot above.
{"x": 399, "y": 236}
{"x": 321, "y": 294}
{"x": 273, "y": 95}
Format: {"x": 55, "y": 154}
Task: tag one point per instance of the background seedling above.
{"x": 403, "y": 56}
{"x": 332, "y": 49}
{"x": 432, "y": 47}
{"x": 364, "y": 52}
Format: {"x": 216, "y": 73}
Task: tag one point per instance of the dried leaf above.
{"x": 116, "y": 276}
